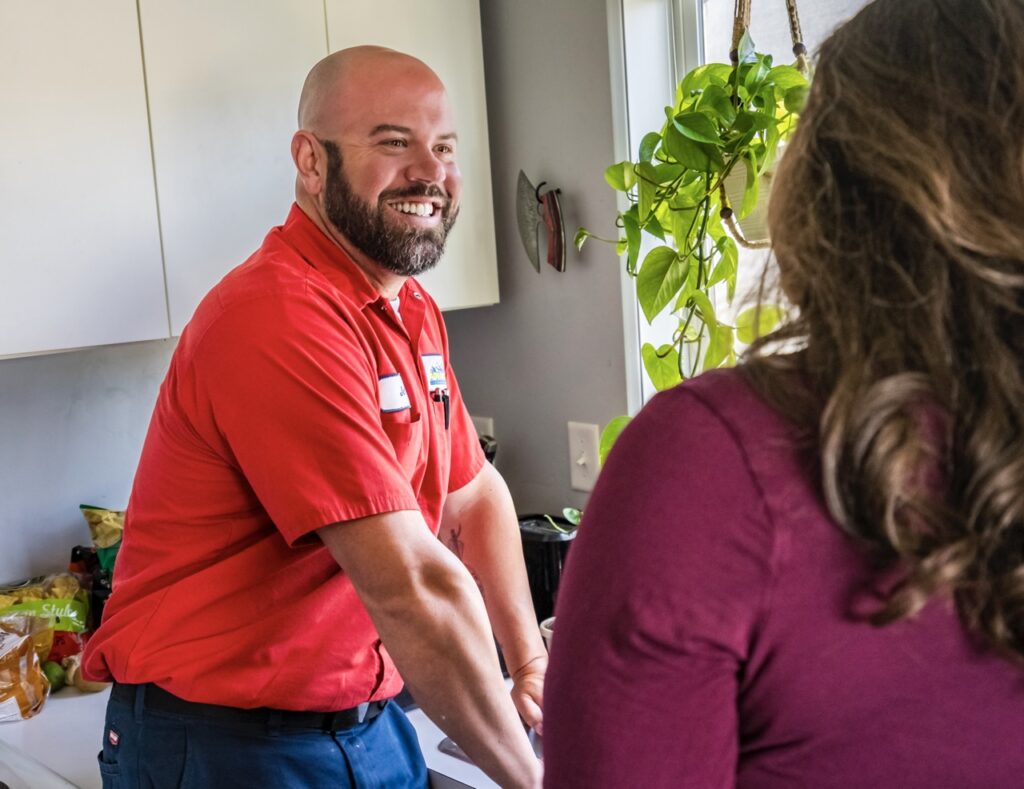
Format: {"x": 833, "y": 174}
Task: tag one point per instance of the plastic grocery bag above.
{"x": 23, "y": 686}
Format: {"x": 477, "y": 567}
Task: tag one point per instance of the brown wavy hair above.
{"x": 897, "y": 220}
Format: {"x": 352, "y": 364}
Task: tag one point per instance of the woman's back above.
{"x": 727, "y": 640}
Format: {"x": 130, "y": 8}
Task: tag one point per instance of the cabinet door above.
{"x": 79, "y": 241}
{"x": 445, "y": 34}
{"x": 224, "y": 79}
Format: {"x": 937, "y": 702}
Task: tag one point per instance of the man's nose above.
{"x": 426, "y": 168}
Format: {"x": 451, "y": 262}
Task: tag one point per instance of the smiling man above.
{"x": 281, "y": 571}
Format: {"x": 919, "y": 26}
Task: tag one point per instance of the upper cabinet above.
{"x": 445, "y": 34}
{"x": 224, "y": 78}
{"x": 145, "y": 151}
{"x": 79, "y": 241}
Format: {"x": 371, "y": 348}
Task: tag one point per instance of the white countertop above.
{"x": 66, "y": 736}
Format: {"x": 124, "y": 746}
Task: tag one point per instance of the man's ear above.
{"x": 311, "y": 164}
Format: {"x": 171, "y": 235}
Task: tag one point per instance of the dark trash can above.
{"x": 544, "y": 549}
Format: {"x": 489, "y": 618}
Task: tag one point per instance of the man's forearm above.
{"x": 484, "y": 535}
{"x": 432, "y": 621}
{"x": 443, "y": 648}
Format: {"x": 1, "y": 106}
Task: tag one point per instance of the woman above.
{"x": 810, "y": 571}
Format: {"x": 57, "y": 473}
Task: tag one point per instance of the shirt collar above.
{"x": 323, "y": 254}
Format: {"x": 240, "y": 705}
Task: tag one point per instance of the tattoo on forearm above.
{"x": 454, "y": 543}
{"x": 457, "y": 546}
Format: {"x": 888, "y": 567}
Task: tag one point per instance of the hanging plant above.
{"x": 727, "y": 119}
{"x": 727, "y": 124}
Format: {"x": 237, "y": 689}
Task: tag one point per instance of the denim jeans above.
{"x": 150, "y": 748}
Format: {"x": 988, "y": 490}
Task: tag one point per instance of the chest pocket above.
{"x": 405, "y": 431}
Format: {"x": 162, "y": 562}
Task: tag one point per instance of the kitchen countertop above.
{"x": 65, "y": 737}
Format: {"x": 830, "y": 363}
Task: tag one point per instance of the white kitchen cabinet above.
{"x": 79, "y": 241}
{"x": 118, "y": 215}
{"x": 224, "y": 78}
{"x": 446, "y": 35}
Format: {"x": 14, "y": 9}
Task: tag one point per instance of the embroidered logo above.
{"x": 391, "y": 390}
{"x": 113, "y": 737}
{"x": 433, "y": 366}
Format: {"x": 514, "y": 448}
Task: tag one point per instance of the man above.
{"x": 280, "y": 564}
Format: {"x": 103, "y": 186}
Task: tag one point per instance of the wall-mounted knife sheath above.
{"x": 531, "y": 208}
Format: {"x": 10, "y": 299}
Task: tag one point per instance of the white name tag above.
{"x": 393, "y": 396}
{"x": 433, "y": 364}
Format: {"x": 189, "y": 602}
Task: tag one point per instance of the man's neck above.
{"x": 386, "y": 282}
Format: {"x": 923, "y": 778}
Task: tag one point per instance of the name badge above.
{"x": 433, "y": 365}
{"x": 393, "y": 396}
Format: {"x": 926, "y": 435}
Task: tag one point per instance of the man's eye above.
{"x": 445, "y": 149}
{"x": 395, "y": 143}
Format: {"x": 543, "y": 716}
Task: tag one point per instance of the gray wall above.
{"x": 552, "y": 351}
{"x": 71, "y": 429}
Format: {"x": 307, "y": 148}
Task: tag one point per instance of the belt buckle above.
{"x": 361, "y": 711}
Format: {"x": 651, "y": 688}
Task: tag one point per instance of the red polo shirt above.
{"x": 296, "y": 398}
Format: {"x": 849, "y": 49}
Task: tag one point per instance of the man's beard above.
{"x": 406, "y": 251}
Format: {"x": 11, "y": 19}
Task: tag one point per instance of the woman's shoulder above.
{"x": 730, "y": 397}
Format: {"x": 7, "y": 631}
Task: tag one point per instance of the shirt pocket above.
{"x": 405, "y": 431}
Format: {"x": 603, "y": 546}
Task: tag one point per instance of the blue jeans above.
{"x": 150, "y": 748}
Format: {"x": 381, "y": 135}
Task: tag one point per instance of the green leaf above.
{"x": 754, "y": 74}
{"x": 573, "y": 515}
{"x": 667, "y": 173}
{"x": 648, "y": 145}
{"x": 684, "y": 225}
{"x": 632, "y": 228}
{"x": 701, "y": 78}
{"x": 662, "y": 365}
{"x": 725, "y": 269}
{"x": 715, "y": 99}
{"x": 610, "y": 433}
{"x": 620, "y": 176}
{"x": 747, "y": 121}
{"x": 796, "y": 98}
{"x": 786, "y": 77}
{"x": 697, "y": 126}
{"x": 581, "y": 235}
{"x": 647, "y": 180}
{"x": 704, "y": 308}
{"x": 654, "y": 227}
{"x": 661, "y": 276}
{"x": 757, "y": 322}
{"x": 686, "y": 151}
{"x": 750, "y": 191}
{"x": 720, "y": 346}
{"x": 745, "y": 50}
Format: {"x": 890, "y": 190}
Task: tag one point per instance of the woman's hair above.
{"x": 897, "y": 220}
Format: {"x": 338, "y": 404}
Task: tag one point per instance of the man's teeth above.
{"x": 419, "y": 209}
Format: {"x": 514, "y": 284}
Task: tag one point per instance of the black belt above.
{"x": 159, "y": 700}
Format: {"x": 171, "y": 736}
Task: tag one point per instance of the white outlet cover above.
{"x": 584, "y": 441}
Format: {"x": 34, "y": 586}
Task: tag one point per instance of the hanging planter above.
{"x": 708, "y": 166}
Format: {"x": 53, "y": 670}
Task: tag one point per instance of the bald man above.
{"x": 281, "y": 571}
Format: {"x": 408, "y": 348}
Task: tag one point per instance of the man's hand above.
{"x": 528, "y": 692}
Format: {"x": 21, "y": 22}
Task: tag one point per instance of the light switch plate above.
{"x": 584, "y": 439}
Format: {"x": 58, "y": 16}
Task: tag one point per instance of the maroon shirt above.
{"x": 705, "y": 634}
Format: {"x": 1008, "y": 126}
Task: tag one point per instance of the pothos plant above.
{"x": 725, "y": 118}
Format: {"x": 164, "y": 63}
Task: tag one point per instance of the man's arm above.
{"x": 431, "y": 619}
{"x": 480, "y": 526}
